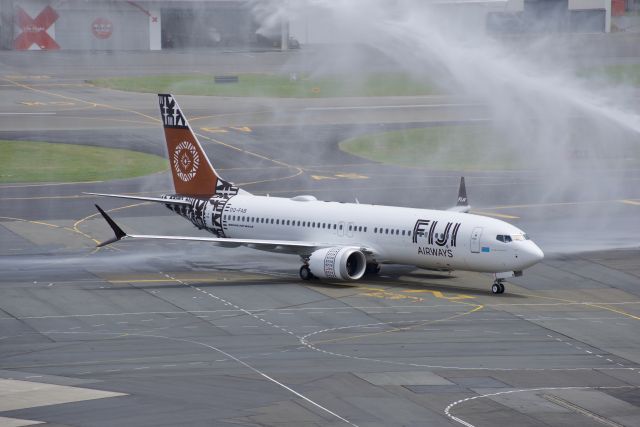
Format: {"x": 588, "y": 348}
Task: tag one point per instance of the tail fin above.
{"x": 193, "y": 174}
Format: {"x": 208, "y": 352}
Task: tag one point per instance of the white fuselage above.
{"x": 425, "y": 238}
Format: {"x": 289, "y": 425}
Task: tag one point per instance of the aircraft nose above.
{"x": 532, "y": 254}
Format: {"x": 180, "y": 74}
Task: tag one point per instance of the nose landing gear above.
{"x": 498, "y": 287}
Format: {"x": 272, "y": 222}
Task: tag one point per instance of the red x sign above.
{"x": 35, "y": 30}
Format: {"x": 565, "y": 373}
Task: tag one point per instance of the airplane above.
{"x": 335, "y": 241}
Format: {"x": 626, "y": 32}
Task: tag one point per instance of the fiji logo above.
{"x": 186, "y": 161}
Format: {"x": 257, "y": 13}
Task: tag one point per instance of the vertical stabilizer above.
{"x": 193, "y": 173}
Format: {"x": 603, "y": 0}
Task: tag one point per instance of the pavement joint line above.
{"x": 246, "y": 365}
{"x": 458, "y": 420}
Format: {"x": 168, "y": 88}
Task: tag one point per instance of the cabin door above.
{"x": 475, "y": 239}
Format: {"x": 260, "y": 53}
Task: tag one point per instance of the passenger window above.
{"x": 349, "y": 228}
{"x": 386, "y": 231}
{"x": 298, "y": 223}
{"x": 365, "y": 229}
{"x": 334, "y": 226}
{"x": 287, "y": 222}
{"x": 340, "y": 227}
{"x": 271, "y": 220}
{"x": 375, "y": 230}
{"x": 277, "y": 222}
{"x": 403, "y": 232}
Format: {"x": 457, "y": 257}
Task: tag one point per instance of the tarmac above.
{"x": 184, "y": 334}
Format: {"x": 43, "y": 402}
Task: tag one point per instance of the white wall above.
{"x": 594, "y": 4}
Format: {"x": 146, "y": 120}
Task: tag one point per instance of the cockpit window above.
{"x": 503, "y": 238}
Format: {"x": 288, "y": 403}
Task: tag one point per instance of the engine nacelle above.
{"x": 341, "y": 263}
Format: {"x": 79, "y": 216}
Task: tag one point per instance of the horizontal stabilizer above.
{"x": 144, "y": 199}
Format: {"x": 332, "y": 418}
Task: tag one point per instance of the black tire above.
{"x": 495, "y": 289}
{"x": 501, "y": 288}
{"x": 305, "y": 273}
{"x": 372, "y": 269}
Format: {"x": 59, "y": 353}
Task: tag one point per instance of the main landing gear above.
{"x": 305, "y": 273}
{"x": 373, "y": 268}
{"x": 498, "y": 287}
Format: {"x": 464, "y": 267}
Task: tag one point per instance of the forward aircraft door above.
{"x": 475, "y": 240}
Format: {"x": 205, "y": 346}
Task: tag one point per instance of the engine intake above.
{"x": 342, "y": 263}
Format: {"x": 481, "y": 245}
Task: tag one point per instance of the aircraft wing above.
{"x": 283, "y": 246}
{"x": 145, "y": 199}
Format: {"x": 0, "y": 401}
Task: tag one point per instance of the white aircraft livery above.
{"x": 335, "y": 241}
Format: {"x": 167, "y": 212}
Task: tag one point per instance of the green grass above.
{"x": 484, "y": 147}
{"x": 273, "y": 85}
{"x": 27, "y": 161}
{"x": 623, "y": 74}
{"x": 437, "y": 147}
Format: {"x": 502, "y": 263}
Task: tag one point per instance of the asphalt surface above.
{"x": 184, "y": 334}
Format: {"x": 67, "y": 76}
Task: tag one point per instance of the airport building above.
{"x": 125, "y": 25}
{"x": 230, "y": 24}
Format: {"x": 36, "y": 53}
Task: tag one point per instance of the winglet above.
{"x": 119, "y": 234}
{"x": 462, "y": 205}
{"x": 462, "y": 193}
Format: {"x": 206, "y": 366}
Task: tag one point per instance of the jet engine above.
{"x": 341, "y": 263}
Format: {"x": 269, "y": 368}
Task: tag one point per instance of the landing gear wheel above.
{"x": 372, "y": 268}
{"x": 497, "y": 288}
{"x": 305, "y": 273}
{"x": 501, "y": 288}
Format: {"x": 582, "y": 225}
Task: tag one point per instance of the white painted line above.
{"x": 448, "y": 409}
{"x": 393, "y": 107}
{"x": 29, "y": 114}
